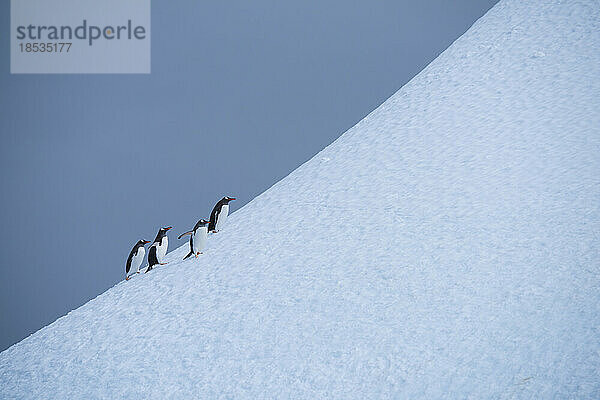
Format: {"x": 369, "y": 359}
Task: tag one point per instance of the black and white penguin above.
{"x": 136, "y": 256}
{"x": 198, "y": 237}
{"x": 158, "y": 250}
{"x": 219, "y": 214}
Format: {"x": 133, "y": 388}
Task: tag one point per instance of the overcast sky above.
{"x": 241, "y": 93}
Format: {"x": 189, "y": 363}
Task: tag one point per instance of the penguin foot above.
{"x": 162, "y": 263}
{"x": 127, "y": 278}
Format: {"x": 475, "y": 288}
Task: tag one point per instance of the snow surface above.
{"x": 447, "y": 246}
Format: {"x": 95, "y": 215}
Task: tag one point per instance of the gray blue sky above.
{"x": 241, "y": 93}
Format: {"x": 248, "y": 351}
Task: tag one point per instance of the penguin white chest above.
{"x": 137, "y": 258}
{"x": 222, "y": 217}
{"x": 161, "y": 249}
{"x": 200, "y": 236}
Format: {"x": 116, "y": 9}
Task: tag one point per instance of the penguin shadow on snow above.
{"x": 198, "y": 239}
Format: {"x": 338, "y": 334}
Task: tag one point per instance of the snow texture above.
{"x": 447, "y": 246}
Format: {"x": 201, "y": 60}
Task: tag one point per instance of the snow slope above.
{"x": 447, "y": 246}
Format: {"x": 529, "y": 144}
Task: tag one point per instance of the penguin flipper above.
{"x": 186, "y": 233}
{"x": 191, "y": 253}
{"x": 152, "y": 258}
{"x": 214, "y": 215}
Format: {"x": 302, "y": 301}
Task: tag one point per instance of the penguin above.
{"x": 198, "y": 237}
{"x": 136, "y": 256}
{"x": 219, "y": 214}
{"x": 158, "y": 249}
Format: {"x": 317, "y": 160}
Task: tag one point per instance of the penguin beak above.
{"x": 146, "y": 241}
{"x": 168, "y": 227}
{"x": 232, "y": 198}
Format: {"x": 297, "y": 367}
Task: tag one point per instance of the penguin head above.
{"x": 201, "y": 223}
{"x": 227, "y": 199}
{"x": 142, "y": 242}
{"x": 162, "y": 233}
